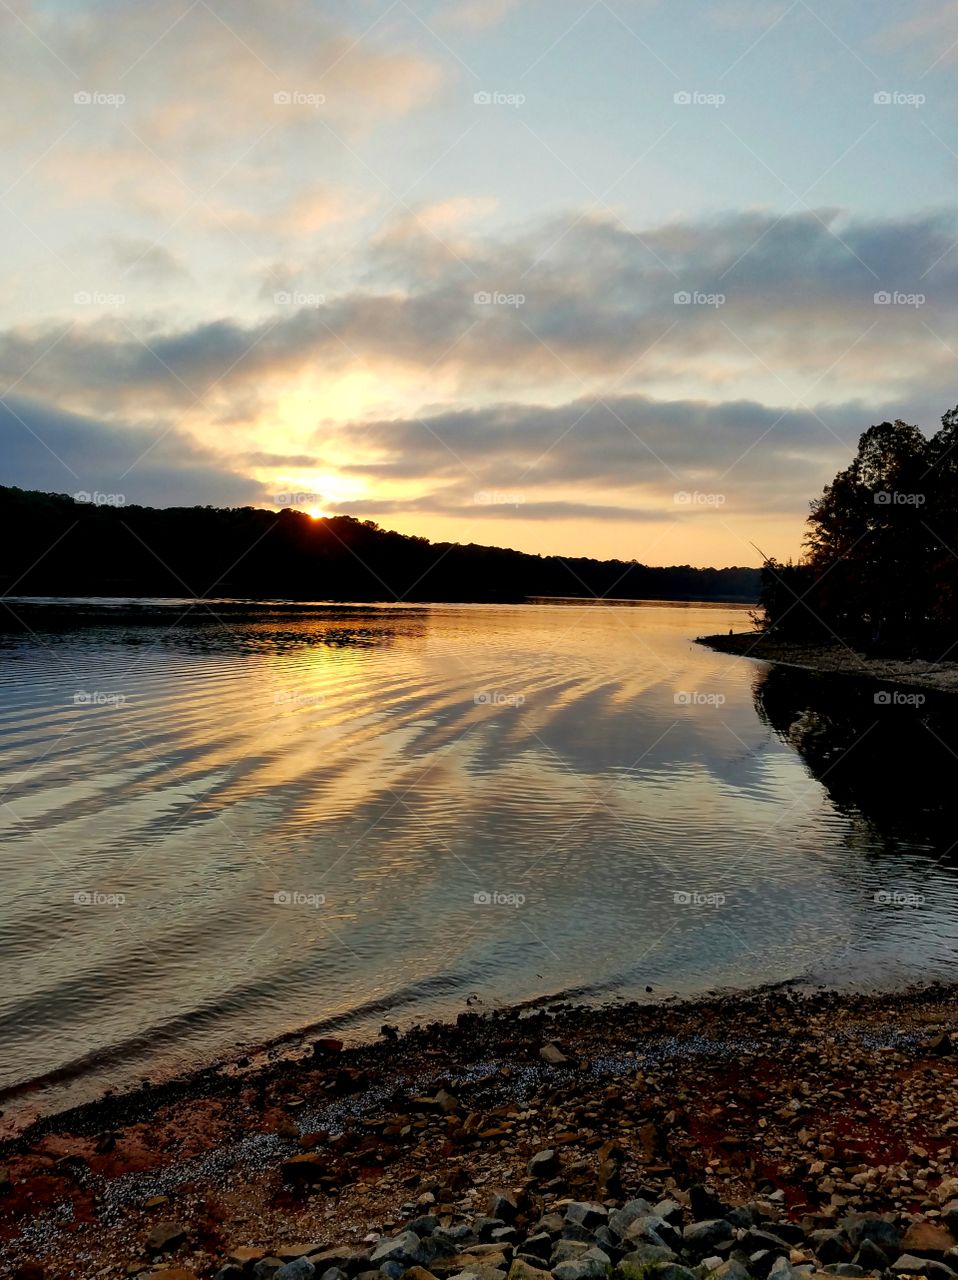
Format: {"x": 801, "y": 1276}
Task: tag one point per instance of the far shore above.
{"x": 838, "y": 659}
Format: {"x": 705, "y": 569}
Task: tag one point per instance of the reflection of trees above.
{"x": 894, "y": 765}
{"x": 217, "y": 628}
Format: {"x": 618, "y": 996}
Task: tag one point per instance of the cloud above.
{"x": 45, "y": 448}
{"x": 143, "y": 259}
{"x": 727, "y": 304}
{"x": 476, "y": 15}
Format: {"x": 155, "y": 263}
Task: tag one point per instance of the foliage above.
{"x": 53, "y": 545}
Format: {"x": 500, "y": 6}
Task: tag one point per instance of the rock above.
{"x": 701, "y": 1238}
{"x": 831, "y": 1245}
{"x": 303, "y": 1170}
{"x": 172, "y": 1273}
{"x": 637, "y": 1264}
{"x": 424, "y": 1226}
{"x": 502, "y": 1204}
{"x": 522, "y": 1271}
{"x": 483, "y": 1227}
{"x": 741, "y": 1216}
{"x": 327, "y": 1047}
{"x": 538, "y": 1245}
{"x": 843, "y": 1269}
{"x": 586, "y": 1214}
{"x": 352, "y": 1261}
{"x": 404, "y": 1248}
{"x": 653, "y": 1230}
{"x": 543, "y": 1165}
{"x": 781, "y": 1269}
{"x": 245, "y": 1256}
{"x": 755, "y": 1238}
{"x": 907, "y": 1264}
{"x": 446, "y": 1102}
{"x": 573, "y": 1231}
{"x": 592, "y": 1265}
{"x": 731, "y": 1270}
{"x": 870, "y": 1257}
{"x": 504, "y": 1235}
{"x": 703, "y": 1205}
{"x": 552, "y": 1054}
{"x": 165, "y": 1236}
{"x": 552, "y": 1223}
{"x": 790, "y": 1232}
{"x": 675, "y": 1272}
{"x": 419, "y": 1273}
{"x": 949, "y": 1215}
{"x": 267, "y": 1267}
{"x": 333, "y": 1273}
{"x": 621, "y": 1219}
{"x": 298, "y": 1269}
{"x": 671, "y": 1211}
{"x": 879, "y": 1229}
{"x": 927, "y": 1239}
{"x": 568, "y": 1251}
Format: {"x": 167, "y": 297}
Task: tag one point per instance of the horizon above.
{"x": 493, "y": 271}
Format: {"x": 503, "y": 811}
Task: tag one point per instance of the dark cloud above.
{"x": 45, "y": 448}
{"x": 597, "y": 301}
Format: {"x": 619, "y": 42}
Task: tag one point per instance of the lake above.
{"x": 221, "y": 829}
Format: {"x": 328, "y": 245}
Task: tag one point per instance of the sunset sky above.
{"x": 615, "y": 278}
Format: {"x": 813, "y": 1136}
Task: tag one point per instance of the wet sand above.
{"x": 838, "y": 659}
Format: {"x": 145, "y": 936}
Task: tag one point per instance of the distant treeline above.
{"x": 881, "y": 563}
{"x": 51, "y": 544}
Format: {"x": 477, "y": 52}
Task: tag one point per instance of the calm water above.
{"x": 214, "y": 834}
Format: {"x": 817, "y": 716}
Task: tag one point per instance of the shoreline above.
{"x": 837, "y": 659}
{"x": 747, "y": 1092}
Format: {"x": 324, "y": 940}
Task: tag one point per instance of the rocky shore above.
{"x": 838, "y": 659}
{"x": 775, "y": 1136}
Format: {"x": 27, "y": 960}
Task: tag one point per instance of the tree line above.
{"x": 880, "y": 568}
{"x": 51, "y": 544}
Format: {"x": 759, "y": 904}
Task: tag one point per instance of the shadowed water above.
{"x": 216, "y": 832}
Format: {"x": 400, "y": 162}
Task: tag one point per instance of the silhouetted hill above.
{"x": 53, "y": 545}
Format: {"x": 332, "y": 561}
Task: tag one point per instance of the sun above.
{"x": 316, "y": 513}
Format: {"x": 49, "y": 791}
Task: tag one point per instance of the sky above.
{"x": 624, "y": 278}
